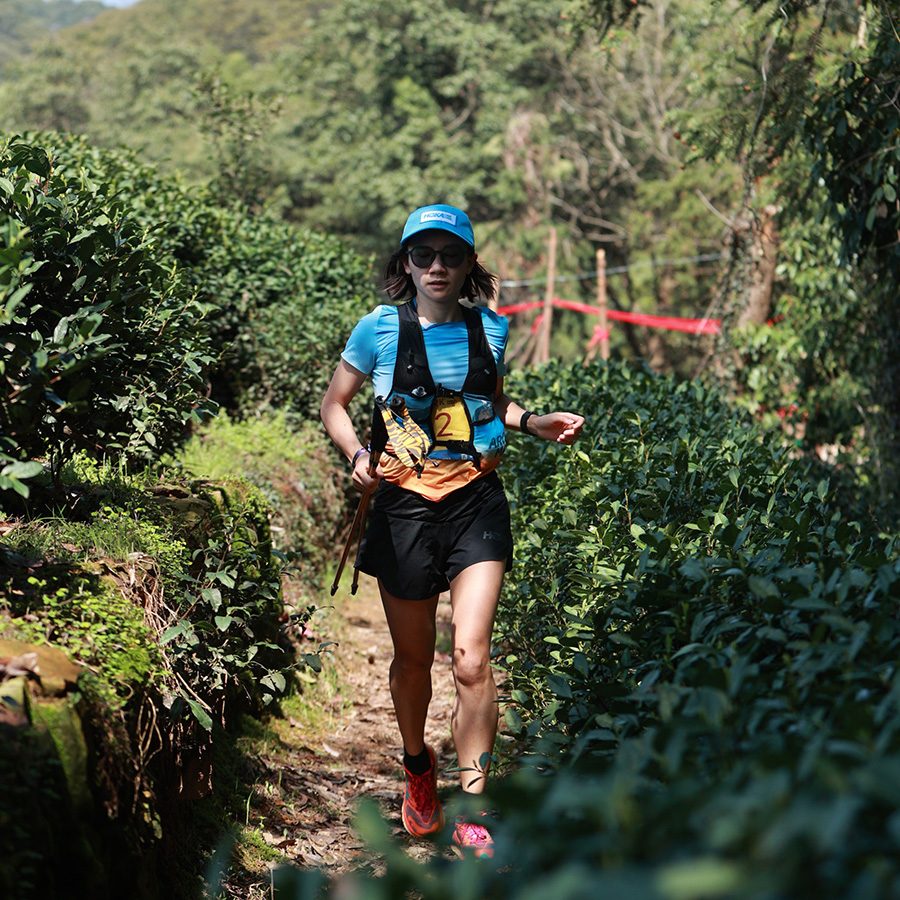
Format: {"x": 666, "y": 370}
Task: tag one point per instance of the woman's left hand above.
{"x": 561, "y": 427}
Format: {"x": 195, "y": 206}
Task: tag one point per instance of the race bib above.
{"x": 449, "y": 420}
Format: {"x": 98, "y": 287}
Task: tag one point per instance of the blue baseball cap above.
{"x": 439, "y": 217}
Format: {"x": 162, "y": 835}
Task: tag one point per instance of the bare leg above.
{"x": 412, "y": 627}
{"x": 474, "y": 594}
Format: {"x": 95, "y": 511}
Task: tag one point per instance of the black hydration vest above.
{"x": 439, "y": 410}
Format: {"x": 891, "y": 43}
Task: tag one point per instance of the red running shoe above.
{"x": 470, "y": 837}
{"x": 421, "y": 811}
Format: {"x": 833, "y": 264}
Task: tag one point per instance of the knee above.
{"x": 412, "y": 666}
{"x": 470, "y": 668}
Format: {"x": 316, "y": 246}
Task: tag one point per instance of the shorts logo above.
{"x": 491, "y": 536}
{"x": 437, "y": 215}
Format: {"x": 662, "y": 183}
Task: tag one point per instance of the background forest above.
{"x": 699, "y": 640}
{"x": 753, "y": 185}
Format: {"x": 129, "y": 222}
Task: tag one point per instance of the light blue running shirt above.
{"x": 372, "y": 347}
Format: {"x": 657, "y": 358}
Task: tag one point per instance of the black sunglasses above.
{"x": 422, "y": 256}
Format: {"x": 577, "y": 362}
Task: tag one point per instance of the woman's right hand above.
{"x": 362, "y": 480}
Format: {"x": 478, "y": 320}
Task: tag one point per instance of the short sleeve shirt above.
{"x": 372, "y": 347}
{"x": 372, "y": 350}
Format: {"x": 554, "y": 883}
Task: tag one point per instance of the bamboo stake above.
{"x": 601, "y": 303}
{"x": 542, "y": 348}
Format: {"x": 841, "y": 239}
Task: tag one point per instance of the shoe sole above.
{"x": 429, "y": 832}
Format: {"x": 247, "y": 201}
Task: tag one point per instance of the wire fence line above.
{"x": 614, "y": 270}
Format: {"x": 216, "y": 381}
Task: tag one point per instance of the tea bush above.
{"x": 280, "y": 300}
{"x": 294, "y": 468}
{"x": 695, "y": 621}
{"x": 109, "y": 272}
{"x": 103, "y": 347}
{"x": 286, "y": 300}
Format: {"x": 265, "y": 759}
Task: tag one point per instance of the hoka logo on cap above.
{"x": 440, "y": 217}
{"x": 437, "y": 215}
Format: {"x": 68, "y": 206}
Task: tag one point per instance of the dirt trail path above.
{"x": 310, "y": 780}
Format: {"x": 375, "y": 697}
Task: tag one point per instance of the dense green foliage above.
{"x": 509, "y": 118}
{"x": 110, "y": 272}
{"x": 123, "y": 294}
{"x": 103, "y": 347}
{"x": 94, "y": 622}
{"x": 806, "y": 106}
{"x": 286, "y": 301}
{"x": 262, "y": 283}
{"x": 169, "y": 593}
{"x": 695, "y": 614}
{"x": 804, "y": 368}
{"x": 852, "y": 135}
{"x": 621, "y": 123}
{"x": 129, "y": 76}
{"x": 209, "y": 582}
{"x": 700, "y": 641}
{"x": 296, "y": 472}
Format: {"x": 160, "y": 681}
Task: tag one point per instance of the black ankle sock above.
{"x": 418, "y": 764}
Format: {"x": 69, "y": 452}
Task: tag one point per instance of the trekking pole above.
{"x": 346, "y": 553}
{"x": 379, "y": 442}
{"x": 362, "y": 512}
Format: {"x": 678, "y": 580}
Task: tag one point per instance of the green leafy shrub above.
{"x": 170, "y": 592}
{"x": 292, "y": 466}
{"x": 110, "y": 272}
{"x": 225, "y": 629}
{"x": 198, "y": 560}
{"x": 104, "y": 349}
{"x": 807, "y": 371}
{"x": 208, "y": 581}
{"x": 286, "y": 301}
{"x": 281, "y": 300}
{"x": 694, "y": 619}
{"x": 78, "y": 609}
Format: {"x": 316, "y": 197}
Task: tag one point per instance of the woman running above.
{"x": 445, "y": 525}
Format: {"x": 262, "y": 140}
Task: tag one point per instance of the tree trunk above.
{"x": 763, "y": 258}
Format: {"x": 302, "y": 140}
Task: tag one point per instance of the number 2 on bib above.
{"x": 450, "y": 420}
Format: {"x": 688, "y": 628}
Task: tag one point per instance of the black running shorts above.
{"x": 416, "y": 547}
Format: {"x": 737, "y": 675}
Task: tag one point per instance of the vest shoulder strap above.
{"x": 411, "y": 372}
{"x": 481, "y": 378}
